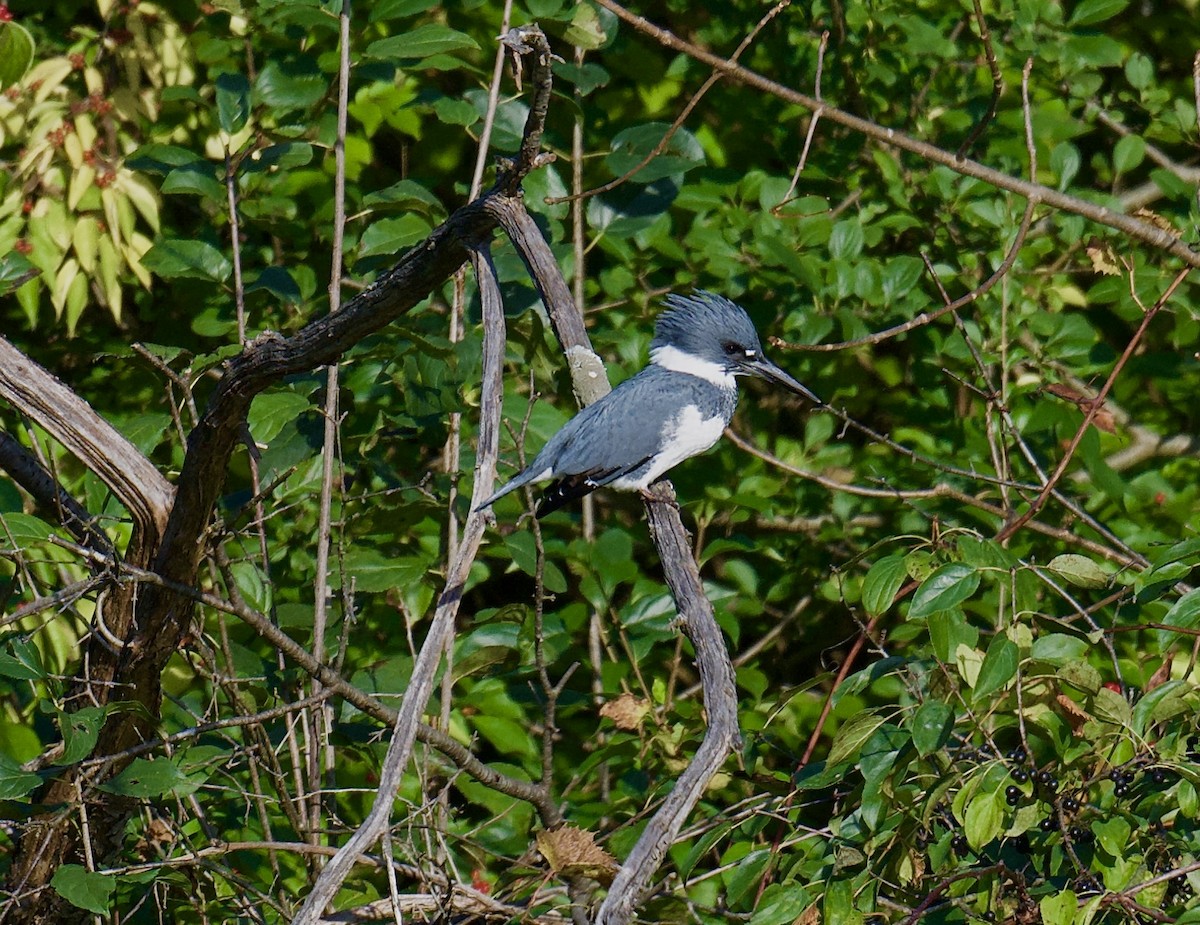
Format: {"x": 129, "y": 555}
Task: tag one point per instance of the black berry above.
{"x": 959, "y": 844}
{"x": 1020, "y": 775}
{"x": 1013, "y": 794}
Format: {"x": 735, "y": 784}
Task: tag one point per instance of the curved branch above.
{"x": 71, "y": 421}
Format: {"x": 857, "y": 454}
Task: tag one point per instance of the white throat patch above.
{"x": 677, "y": 361}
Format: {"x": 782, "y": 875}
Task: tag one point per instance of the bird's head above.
{"x": 712, "y": 333}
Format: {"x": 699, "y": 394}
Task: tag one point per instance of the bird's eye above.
{"x": 731, "y": 348}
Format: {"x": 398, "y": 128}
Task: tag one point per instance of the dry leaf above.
{"x": 1103, "y": 259}
{"x": 1161, "y": 675}
{"x": 627, "y": 711}
{"x": 810, "y": 916}
{"x": 572, "y": 852}
{"x": 1076, "y": 715}
{"x": 1103, "y": 418}
{"x": 1158, "y": 221}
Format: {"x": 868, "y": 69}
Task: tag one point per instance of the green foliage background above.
{"x": 916, "y": 801}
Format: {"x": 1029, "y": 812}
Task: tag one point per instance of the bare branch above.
{"x": 71, "y": 421}
{"x": 442, "y": 627}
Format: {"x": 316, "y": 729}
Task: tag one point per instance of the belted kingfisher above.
{"x": 673, "y": 409}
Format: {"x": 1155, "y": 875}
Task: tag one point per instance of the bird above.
{"x": 674, "y": 408}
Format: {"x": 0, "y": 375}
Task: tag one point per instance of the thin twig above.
{"x": 1134, "y": 227}
{"x": 997, "y": 84}
{"x": 1015, "y": 524}
{"x": 665, "y": 141}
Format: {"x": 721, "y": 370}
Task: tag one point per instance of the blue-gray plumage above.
{"x": 673, "y": 409}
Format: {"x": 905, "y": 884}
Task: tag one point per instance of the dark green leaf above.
{"x": 84, "y": 888}
{"x": 882, "y": 582}
{"x": 21, "y": 660}
{"x": 931, "y": 726}
{"x": 80, "y": 731}
{"x": 15, "y": 783}
{"x": 147, "y": 778}
{"x": 233, "y": 102}
{"x": 176, "y": 257}
{"x": 999, "y": 666}
{"x": 16, "y": 53}
{"x": 947, "y": 587}
{"x": 278, "y": 282}
{"x": 1184, "y": 614}
{"x": 392, "y": 235}
{"x": 421, "y": 42}
{"x": 286, "y": 85}
{"x": 1090, "y": 12}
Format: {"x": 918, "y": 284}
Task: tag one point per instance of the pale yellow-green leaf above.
{"x": 108, "y": 199}
{"x": 132, "y": 254}
{"x": 86, "y": 240}
{"x": 48, "y": 76}
{"x": 77, "y": 297}
{"x": 85, "y": 128}
{"x": 55, "y": 220}
{"x": 62, "y": 285}
{"x": 93, "y": 79}
{"x": 969, "y": 661}
{"x": 110, "y": 271}
{"x": 81, "y": 181}
{"x": 141, "y": 194}
{"x": 73, "y": 148}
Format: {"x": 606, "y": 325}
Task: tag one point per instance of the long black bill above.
{"x": 763, "y": 368}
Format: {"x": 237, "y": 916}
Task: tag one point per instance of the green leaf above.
{"x": 1113, "y": 834}
{"x": 391, "y": 235}
{"x": 586, "y": 30}
{"x": 421, "y": 42}
{"x": 21, "y": 660}
{"x": 1059, "y": 909}
{"x": 177, "y": 257}
{"x": 1058, "y": 648}
{"x": 883, "y": 580}
{"x": 233, "y": 102}
{"x": 371, "y": 570}
{"x": 146, "y": 778}
{"x": 1090, "y": 12}
{"x": 947, "y": 587}
{"x": 1078, "y": 570}
{"x": 80, "y": 730}
{"x": 852, "y": 734}
{"x": 634, "y": 145}
{"x": 195, "y": 179}
{"x": 931, "y": 726}
{"x": 83, "y": 888}
{"x": 398, "y": 9}
{"x": 16, "y": 53}
{"x": 1111, "y": 706}
{"x": 286, "y": 85}
{"x": 846, "y": 241}
{"x": 999, "y": 666}
{"x": 272, "y": 410}
{"x": 1184, "y": 614}
{"x": 1128, "y": 153}
{"x": 15, "y": 782}
{"x": 277, "y": 281}
{"x": 984, "y": 819}
{"x": 15, "y": 272}
{"x": 1139, "y": 71}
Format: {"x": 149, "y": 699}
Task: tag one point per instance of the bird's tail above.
{"x": 519, "y": 480}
